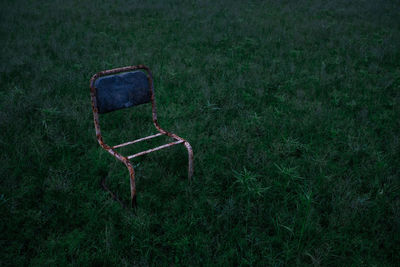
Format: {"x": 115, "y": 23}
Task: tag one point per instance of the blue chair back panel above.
{"x": 124, "y": 90}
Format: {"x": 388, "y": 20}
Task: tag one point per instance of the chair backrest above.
{"x": 123, "y": 90}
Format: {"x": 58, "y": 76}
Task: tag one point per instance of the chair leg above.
{"x": 114, "y": 196}
{"x": 190, "y": 156}
{"x": 133, "y": 184}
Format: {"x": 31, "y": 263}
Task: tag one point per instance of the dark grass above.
{"x": 292, "y": 108}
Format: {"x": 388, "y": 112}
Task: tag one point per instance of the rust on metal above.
{"x": 123, "y": 159}
{"x": 154, "y": 149}
{"x": 137, "y": 140}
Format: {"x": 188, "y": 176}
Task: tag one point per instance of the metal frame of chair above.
{"x": 111, "y": 149}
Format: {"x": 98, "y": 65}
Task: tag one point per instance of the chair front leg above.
{"x": 132, "y": 182}
{"x": 190, "y": 157}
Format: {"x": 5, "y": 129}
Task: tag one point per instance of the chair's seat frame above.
{"x": 111, "y": 149}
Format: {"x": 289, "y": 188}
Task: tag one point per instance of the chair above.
{"x": 125, "y": 87}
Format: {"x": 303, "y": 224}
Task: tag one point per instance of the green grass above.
{"x": 292, "y": 109}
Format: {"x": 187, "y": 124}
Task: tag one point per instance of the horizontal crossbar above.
{"x": 155, "y": 149}
{"x": 137, "y": 140}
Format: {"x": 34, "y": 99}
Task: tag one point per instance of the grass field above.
{"x": 292, "y": 109}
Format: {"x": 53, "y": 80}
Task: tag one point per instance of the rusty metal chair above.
{"x": 125, "y": 87}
